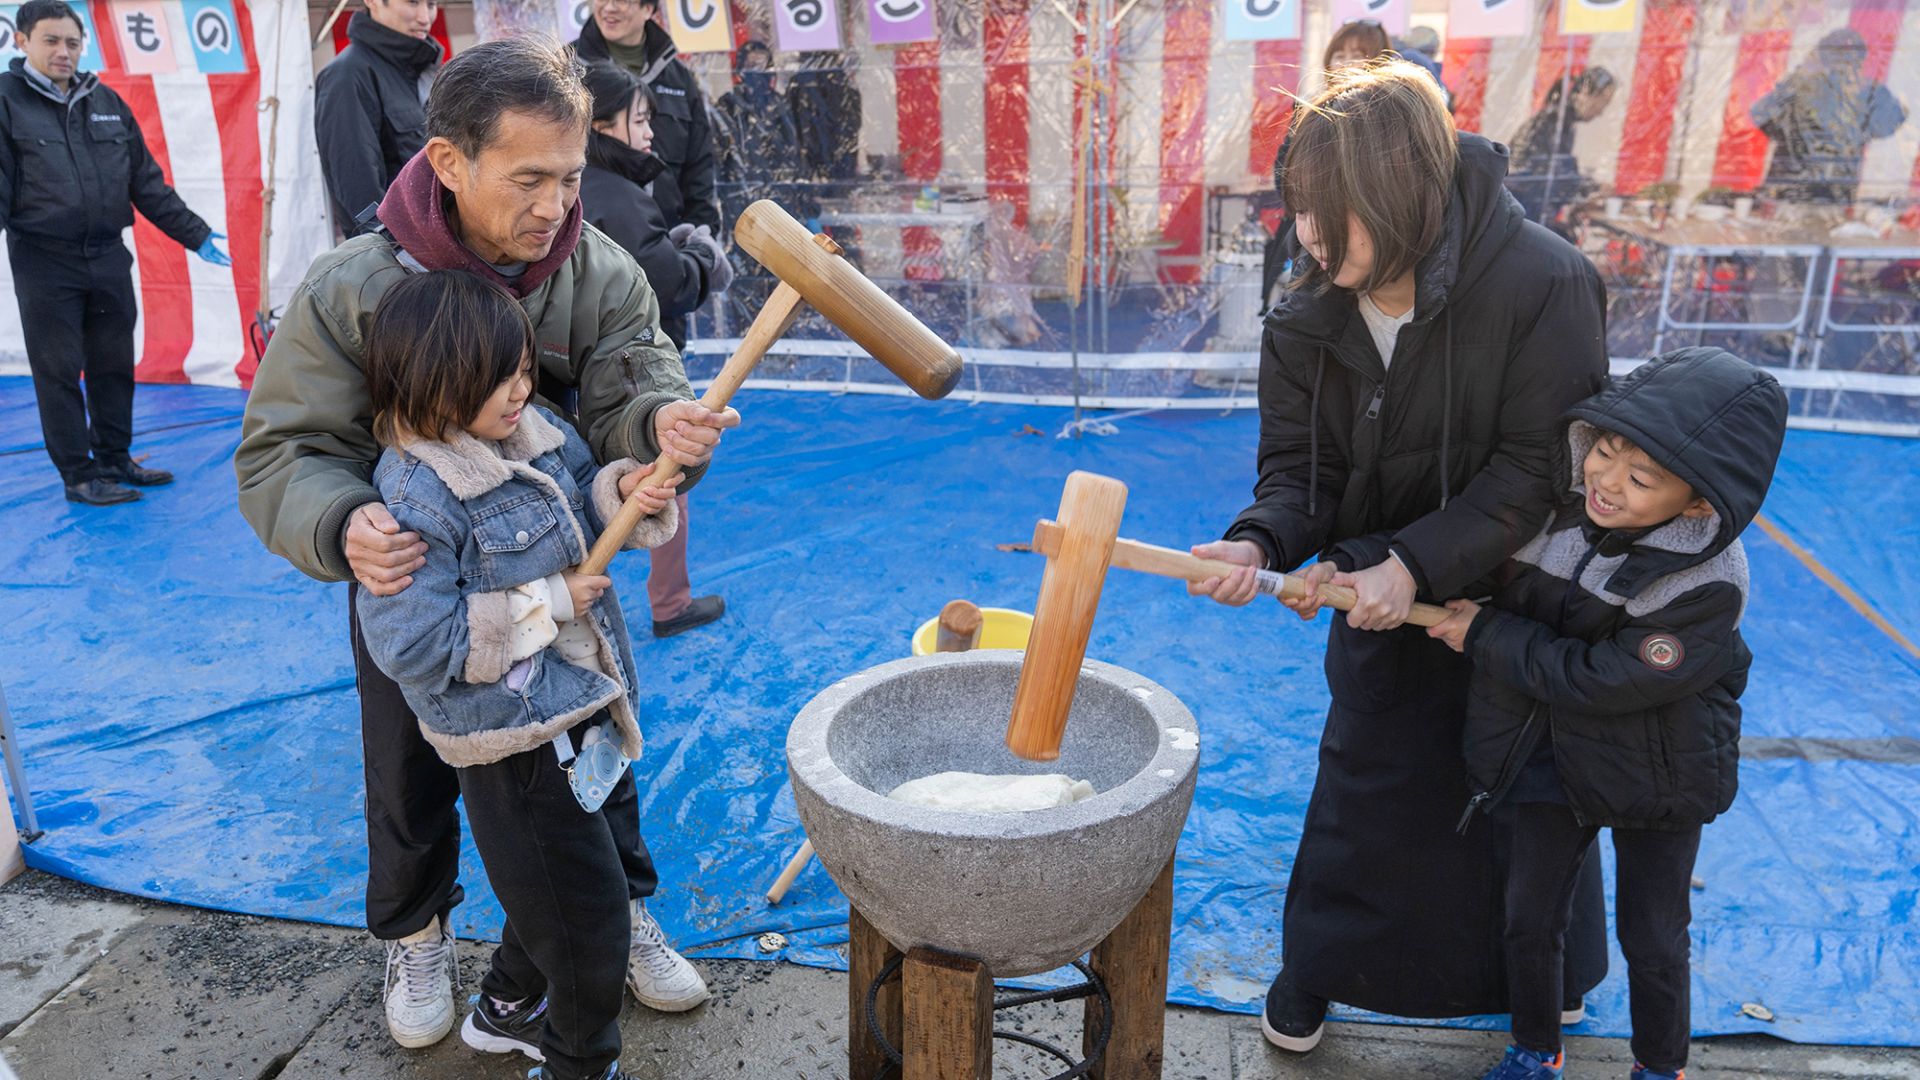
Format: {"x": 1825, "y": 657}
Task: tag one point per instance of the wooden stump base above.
{"x": 940, "y": 1010}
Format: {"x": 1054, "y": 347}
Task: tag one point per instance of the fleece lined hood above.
{"x": 1706, "y": 416}
{"x": 415, "y": 214}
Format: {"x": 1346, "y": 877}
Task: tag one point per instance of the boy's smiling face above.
{"x": 1626, "y": 490}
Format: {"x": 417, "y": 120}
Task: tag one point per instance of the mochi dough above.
{"x": 992, "y": 794}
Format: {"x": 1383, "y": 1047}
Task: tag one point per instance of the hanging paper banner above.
{"x": 1489, "y": 18}
{"x": 146, "y": 41}
{"x": 91, "y": 58}
{"x": 1392, "y": 15}
{"x": 806, "y": 25}
{"x": 699, "y": 26}
{"x": 572, "y": 16}
{"x": 1262, "y": 20}
{"x": 214, "y": 37}
{"x": 896, "y": 22}
{"x": 1598, "y": 16}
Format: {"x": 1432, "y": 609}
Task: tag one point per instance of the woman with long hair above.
{"x": 1412, "y": 375}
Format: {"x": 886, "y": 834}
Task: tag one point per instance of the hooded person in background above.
{"x": 370, "y": 104}
{"x": 1545, "y": 176}
{"x": 684, "y": 264}
{"x": 73, "y": 167}
{"x": 762, "y": 156}
{"x": 825, "y": 105}
{"x": 624, "y": 31}
{"x": 1820, "y": 118}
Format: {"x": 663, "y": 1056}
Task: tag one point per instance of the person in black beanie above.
{"x": 370, "y": 104}
{"x": 685, "y": 264}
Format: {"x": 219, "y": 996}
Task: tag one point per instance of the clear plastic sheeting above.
{"x": 1061, "y": 187}
{"x": 190, "y": 727}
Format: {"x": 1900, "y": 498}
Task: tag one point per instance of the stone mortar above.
{"x": 1023, "y": 892}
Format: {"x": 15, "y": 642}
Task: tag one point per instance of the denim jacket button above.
{"x": 520, "y": 537}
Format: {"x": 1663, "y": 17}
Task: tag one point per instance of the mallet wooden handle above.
{"x": 774, "y": 319}
{"x": 1166, "y": 562}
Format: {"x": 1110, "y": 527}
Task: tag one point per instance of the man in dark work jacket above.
{"x": 370, "y": 104}
{"x": 625, "y": 32}
{"x": 73, "y": 166}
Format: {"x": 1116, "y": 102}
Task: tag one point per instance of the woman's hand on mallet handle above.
{"x": 1454, "y": 630}
{"x": 687, "y": 431}
{"x": 1308, "y": 606}
{"x": 1238, "y": 588}
{"x": 1383, "y": 595}
{"x": 382, "y": 557}
{"x": 653, "y": 498}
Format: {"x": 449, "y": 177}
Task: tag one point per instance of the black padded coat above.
{"x": 1623, "y": 647}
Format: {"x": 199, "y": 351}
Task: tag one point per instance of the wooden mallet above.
{"x": 811, "y": 271}
{"x": 1080, "y": 546}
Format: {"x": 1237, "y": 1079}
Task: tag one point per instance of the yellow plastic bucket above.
{"x": 1001, "y": 628}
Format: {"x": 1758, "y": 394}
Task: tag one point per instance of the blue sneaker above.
{"x": 1522, "y": 1064}
{"x": 1641, "y": 1072}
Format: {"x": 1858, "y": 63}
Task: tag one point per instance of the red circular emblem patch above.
{"x": 1662, "y": 653}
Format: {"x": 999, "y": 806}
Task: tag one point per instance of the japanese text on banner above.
{"x": 699, "y": 26}
{"x": 1598, "y": 16}
{"x": 807, "y": 25}
{"x": 896, "y": 22}
{"x": 1489, "y": 18}
{"x": 1262, "y": 20}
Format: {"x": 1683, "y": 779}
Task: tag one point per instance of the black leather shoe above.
{"x": 1294, "y": 1019}
{"x": 126, "y": 472}
{"x": 98, "y": 491}
{"x": 702, "y": 611}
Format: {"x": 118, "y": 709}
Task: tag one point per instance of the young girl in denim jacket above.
{"x": 516, "y": 665}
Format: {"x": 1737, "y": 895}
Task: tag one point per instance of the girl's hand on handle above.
{"x": 653, "y": 498}
{"x": 1454, "y": 630}
{"x": 1238, "y": 588}
{"x": 1384, "y": 595}
{"x": 1308, "y": 607}
{"x": 585, "y": 589}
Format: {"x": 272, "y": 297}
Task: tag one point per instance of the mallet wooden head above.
{"x": 874, "y": 320}
{"x": 1090, "y": 510}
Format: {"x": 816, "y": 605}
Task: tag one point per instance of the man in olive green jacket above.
{"x": 495, "y": 193}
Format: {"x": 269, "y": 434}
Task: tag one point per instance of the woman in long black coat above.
{"x": 1409, "y": 398}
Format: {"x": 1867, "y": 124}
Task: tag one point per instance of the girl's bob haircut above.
{"x": 1379, "y": 144}
{"x": 441, "y": 343}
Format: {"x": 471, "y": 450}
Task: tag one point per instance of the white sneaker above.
{"x": 661, "y": 978}
{"x": 419, "y": 985}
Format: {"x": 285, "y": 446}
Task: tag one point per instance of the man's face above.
{"x": 624, "y": 22}
{"x": 512, "y": 198}
{"x": 53, "y": 47}
{"x": 413, "y": 18}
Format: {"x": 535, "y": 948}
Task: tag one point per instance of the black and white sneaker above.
{"x": 614, "y": 1072}
{"x": 1293, "y": 1020}
{"x": 515, "y": 1029}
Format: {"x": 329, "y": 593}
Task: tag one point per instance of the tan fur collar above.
{"x": 472, "y": 467}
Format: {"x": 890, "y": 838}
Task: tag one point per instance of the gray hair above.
{"x": 532, "y": 74}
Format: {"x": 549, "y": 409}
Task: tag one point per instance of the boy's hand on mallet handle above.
{"x": 653, "y": 497}
{"x": 1454, "y": 630}
{"x": 1383, "y": 594}
{"x": 687, "y": 431}
{"x": 585, "y": 589}
{"x": 1238, "y": 588}
{"x": 382, "y": 557}
{"x": 1308, "y": 606}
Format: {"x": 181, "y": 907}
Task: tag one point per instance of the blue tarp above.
{"x": 189, "y": 721}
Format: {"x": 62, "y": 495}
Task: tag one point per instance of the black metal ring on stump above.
{"x": 1094, "y": 986}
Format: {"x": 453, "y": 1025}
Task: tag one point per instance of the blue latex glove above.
{"x": 212, "y": 254}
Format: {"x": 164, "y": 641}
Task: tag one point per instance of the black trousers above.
{"x": 413, "y": 833}
{"x": 561, "y": 875}
{"x": 1652, "y": 910}
{"x": 77, "y": 311}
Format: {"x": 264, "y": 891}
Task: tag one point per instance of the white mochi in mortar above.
{"x": 998, "y": 794}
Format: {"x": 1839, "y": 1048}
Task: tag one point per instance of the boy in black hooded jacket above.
{"x": 1607, "y": 674}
